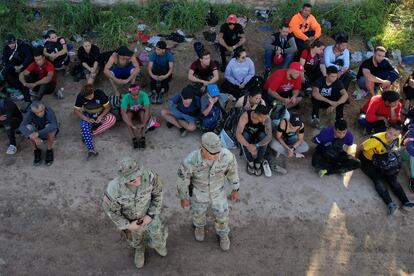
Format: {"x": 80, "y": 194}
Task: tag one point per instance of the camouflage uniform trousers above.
{"x": 220, "y": 208}
{"x": 154, "y": 235}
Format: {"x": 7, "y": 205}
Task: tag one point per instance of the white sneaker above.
{"x": 17, "y": 97}
{"x": 11, "y": 150}
{"x": 266, "y": 169}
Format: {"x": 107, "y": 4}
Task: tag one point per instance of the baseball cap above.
{"x": 128, "y": 170}
{"x": 232, "y": 18}
{"x": 295, "y": 120}
{"x": 213, "y": 90}
{"x": 187, "y": 93}
{"x": 124, "y": 51}
{"x": 161, "y": 45}
{"x": 296, "y": 66}
{"x": 9, "y": 39}
{"x": 211, "y": 142}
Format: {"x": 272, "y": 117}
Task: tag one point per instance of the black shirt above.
{"x": 231, "y": 37}
{"x": 91, "y": 57}
{"x": 332, "y": 91}
{"x": 385, "y": 65}
{"x": 92, "y": 107}
{"x": 22, "y": 55}
{"x": 10, "y": 109}
{"x": 54, "y": 47}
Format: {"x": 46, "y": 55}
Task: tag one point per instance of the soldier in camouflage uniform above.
{"x": 133, "y": 201}
{"x": 200, "y": 183}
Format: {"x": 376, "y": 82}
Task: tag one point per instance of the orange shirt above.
{"x": 299, "y": 25}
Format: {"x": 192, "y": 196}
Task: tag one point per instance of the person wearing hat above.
{"x": 122, "y": 68}
{"x": 231, "y": 37}
{"x": 212, "y": 104}
{"x": 289, "y": 138}
{"x": 328, "y": 92}
{"x": 254, "y": 133}
{"x": 56, "y": 50}
{"x": 200, "y": 184}
{"x": 331, "y": 156}
{"x": 135, "y": 112}
{"x": 183, "y": 111}
{"x": 284, "y": 85}
{"x": 133, "y": 201}
{"x": 160, "y": 68}
{"x": 203, "y": 71}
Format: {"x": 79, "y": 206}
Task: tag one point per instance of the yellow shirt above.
{"x": 372, "y": 146}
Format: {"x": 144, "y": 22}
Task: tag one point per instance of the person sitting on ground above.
{"x": 381, "y": 161}
{"x": 409, "y": 147}
{"x": 183, "y": 111}
{"x": 289, "y": 138}
{"x": 331, "y": 155}
{"x": 328, "y": 92}
{"x": 284, "y": 85}
{"x": 10, "y": 119}
{"x": 239, "y": 74}
{"x": 39, "y": 124}
{"x": 280, "y": 48}
{"x": 231, "y": 37}
{"x": 17, "y": 55}
{"x": 213, "y": 103}
{"x": 92, "y": 107}
{"x": 313, "y": 63}
{"x": 380, "y": 111}
{"x": 89, "y": 56}
{"x": 304, "y": 26}
{"x": 56, "y": 50}
{"x": 338, "y": 56}
{"x": 408, "y": 90}
{"x": 122, "y": 68}
{"x": 251, "y": 100}
{"x": 160, "y": 68}
{"x": 135, "y": 112}
{"x": 39, "y": 78}
{"x": 376, "y": 72}
{"x": 203, "y": 71}
{"x": 254, "y": 133}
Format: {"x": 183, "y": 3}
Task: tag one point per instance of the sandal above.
{"x": 250, "y": 169}
{"x": 258, "y": 171}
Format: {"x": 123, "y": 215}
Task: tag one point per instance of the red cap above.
{"x": 296, "y": 66}
{"x": 232, "y": 18}
{"x": 278, "y": 59}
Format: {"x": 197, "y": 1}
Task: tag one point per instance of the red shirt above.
{"x": 42, "y": 72}
{"x": 310, "y": 62}
{"x": 376, "y": 107}
{"x": 279, "y": 82}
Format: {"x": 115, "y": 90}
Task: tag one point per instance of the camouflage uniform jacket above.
{"x": 208, "y": 181}
{"x": 123, "y": 205}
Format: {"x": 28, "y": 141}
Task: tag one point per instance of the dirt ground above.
{"x": 52, "y": 222}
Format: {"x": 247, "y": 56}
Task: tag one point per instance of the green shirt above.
{"x": 135, "y": 105}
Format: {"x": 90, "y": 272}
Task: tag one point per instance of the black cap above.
{"x": 187, "y": 93}
{"x": 124, "y": 51}
{"x": 161, "y": 45}
{"x": 9, "y": 39}
{"x": 295, "y": 120}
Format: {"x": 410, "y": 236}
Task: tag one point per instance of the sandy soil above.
{"x": 52, "y": 222}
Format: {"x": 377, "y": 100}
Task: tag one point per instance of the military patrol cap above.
{"x": 129, "y": 169}
{"x": 211, "y": 142}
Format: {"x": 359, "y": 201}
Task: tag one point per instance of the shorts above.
{"x": 34, "y": 128}
{"x": 122, "y": 73}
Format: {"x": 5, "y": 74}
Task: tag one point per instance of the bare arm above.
{"x": 239, "y": 131}
{"x": 215, "y": 77}
{"x": 317, "y": 95}
{"x": 45, "y": 80}
{"x": 79, "y": 114}
{"x": 268, "y": 130}
{"x": 126, "y": 119}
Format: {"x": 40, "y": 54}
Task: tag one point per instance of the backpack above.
{"x": 212, "y": 19}
{"x": 198, "y": 47}
{"x": 228, "y": 133}
{"x": 389, "y": 162}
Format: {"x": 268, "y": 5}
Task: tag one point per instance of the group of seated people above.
{"x": 260, "y": 111}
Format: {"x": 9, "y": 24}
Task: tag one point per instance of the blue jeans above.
{"x": 287, "y": 59}
{"x": 253, "y": 139}
{"x": 392, "y": 76}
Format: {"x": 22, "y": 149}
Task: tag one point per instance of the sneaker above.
{"x": 315, "y": 122}
{"x": 37, "y": 157}
{"x": 266, "y": 169}
{"x": 392, "y": 208}
{"x": 169, "y": 125}
{"x": 160, "y": 99}
{"x": 60, "y": 93}
{"x": 407, "y": 207}
{"x": 11, "y": 150}
{"x": 183, "y": 132}
{"x": 161, "y": 251}
{"x": 153, "y": 97}
{"x": 49, "y": 157}
{"x": 225, "y": 243}
{"x": 322, "y": 173}
{"x": 411, "y": 185}
{"x": 135, "y": 143}
{"x": 17, "y": 97}
{"x": 139, "y": 257}
{"x": 278, "y": 169}
{"x": 199, "y": 233}
{"x": 91, "y": 154}
{"x": 141, "y": 143}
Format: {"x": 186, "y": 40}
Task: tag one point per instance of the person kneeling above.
{"x": 135, "y": 111}
{"x": 330, "y": 156}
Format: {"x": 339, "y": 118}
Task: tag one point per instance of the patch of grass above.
{"x": 13, "y": 16}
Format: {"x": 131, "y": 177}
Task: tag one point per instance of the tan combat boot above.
{"x": 199, "y": 233}
{"x": 161, "y": 251}
{"x": 139, "y": 257}
{"x": 225, "y": 243}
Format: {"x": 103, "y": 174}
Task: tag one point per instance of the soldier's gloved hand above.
{"x": 185, "y": 203}
{"x": 235, "y": 196}
{"x": 146, "y": 220}
{"x": 134, "y": 226}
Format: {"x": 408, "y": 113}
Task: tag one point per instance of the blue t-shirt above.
{"x": 161, "y": 63}
{"x": 327, "y": 136}
{"x": 192, "y": 110}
